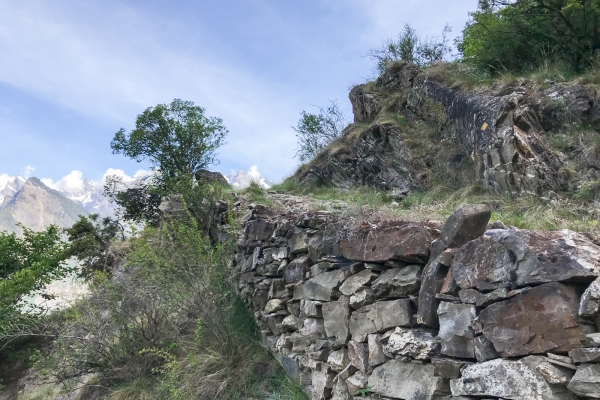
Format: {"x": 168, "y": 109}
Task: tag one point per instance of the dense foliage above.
{"x": 316, "y": 131}
{"x": 27, "y": 264}
{"x": 506, "y": 35}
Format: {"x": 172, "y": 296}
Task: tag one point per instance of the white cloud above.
{"x": 71, "y": 183}
{"x": 5, "y": 179}
{"x": 28, "y": 170}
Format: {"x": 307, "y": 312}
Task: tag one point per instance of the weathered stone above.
{"x": 448, "y": 368}
{"x": 313, "y": 327}
{"x": 380, "y": 316}
{"x": 323, "y": 287}
{"x": 590, "y": 301}
{"x": 537, "y": 321}
{"x": 465, "y": 224}
{"x": 502, "y": 258}
{"x": 358, "y": 353}
{"x": 404, "y": 241}
{"x": 586, "y": 381}
{"x": 484, "y": 349}
{"x": 593, "y": 339}
{"x": 340, "y": 391}
{"x": 338, "y": 359}
{"x": 553, "y": 374}
{"x": 507, "y": 379}
{"x": 585, "y": 355}
{"x": 322, "y": 383}
{"x": 258, "y": 230}
{"x": 456, "y": 332}
{"x": 260, "y": 299}
{"x": 376, "y": 354}
{"x": 336, "y": 320}
{"x": 311, "y": 308}
{"x": 398, "y": 282}
{"x": 357, "y": 382}
{"x": 362, "y": 298}
{"x": 449, "y": 286}
{"x": 357, "y": 281}
{"x": 472, "y": 296}
{"x": 290, "y": 323}
{"x": 297, "y": 269}
{"x": 315, "y": 246}
{"x": 418, "y": 344}
{"x": 405, "y": 380}
{"x": 432, "y": 280}
{"x": 299, "y": 243}
{"x": 274, "y": 305}
{"x": 291, "y": 368}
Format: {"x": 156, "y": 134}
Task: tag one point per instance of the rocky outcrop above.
{"x": 346, "y": 308}
{"x": 504, "y": 133}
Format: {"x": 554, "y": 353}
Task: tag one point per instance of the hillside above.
{"x": 36, "y": 206}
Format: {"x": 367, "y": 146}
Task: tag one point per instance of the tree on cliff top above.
{"x": 316, "y": 131}
{"x": 177, "y": 139}
{"x": 517, "y": 35}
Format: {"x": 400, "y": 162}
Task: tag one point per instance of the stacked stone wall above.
{"x": 390, "y": 309}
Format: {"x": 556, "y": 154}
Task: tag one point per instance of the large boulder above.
{"x": 514, "y": 380}
{"x": 515, "y": 257}
{"x": 401, "y": 240}
{"x": 536, "y": 321}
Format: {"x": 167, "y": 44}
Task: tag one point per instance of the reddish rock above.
{"x": 537, "y": 321}
{"x": 404, "y": 241}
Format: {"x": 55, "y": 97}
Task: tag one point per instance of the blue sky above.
{"x": 72, "y": 72}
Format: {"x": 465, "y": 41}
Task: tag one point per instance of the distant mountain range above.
{"x": 36, "y": 206}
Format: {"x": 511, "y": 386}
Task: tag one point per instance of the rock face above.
{"x": 398, "y": 310}
{"x": 512, "y": 257}
{"x": 540, "y": 320}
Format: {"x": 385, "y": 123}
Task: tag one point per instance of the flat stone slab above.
{"x": 537, "y": 321}
{"x": 403, "y": 240}
{"x": 321, "y": 287}
{"x": 405, "y": 380}
{"x": 456, "y": 333}
{"x": 586, "y": 381}
{"x": 514, "y": 380}
{"x": 503, "y": 258}
{"x": 380, "y": 316}
{"x": 398, "y": 282}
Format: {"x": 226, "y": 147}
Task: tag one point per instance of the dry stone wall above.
{"x": 380, "y": 309}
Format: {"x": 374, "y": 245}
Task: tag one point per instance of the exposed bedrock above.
{"x": 412, "y": 311}
{"x": 503, "y": 133}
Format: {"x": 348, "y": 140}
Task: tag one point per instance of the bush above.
{"x": 411, "y": 47}
{"x": 315, "y": 131}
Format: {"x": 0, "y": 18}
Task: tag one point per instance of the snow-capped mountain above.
{"x": 91, "y": 198}
{"x": 9, "y": 187}
{"x": 242, "y": 179}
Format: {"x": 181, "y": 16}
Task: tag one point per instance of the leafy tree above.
{"x": 27, "y": 264}
{"x": 178, "y": 140}
{"x": 174, "y": 138}
{"x": 411, "y": 47}
{"x": 90, "y": 241}
{"x": 316, "y": 131}
{"x": 517, "y": 35}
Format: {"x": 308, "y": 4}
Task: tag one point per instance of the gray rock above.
{"x": 322, "y": 383}
{"x": 358, "y": 353}
{"x": 376, "y": 354}
{"x": 398, "y": 282}
{"x": 506, "y": 379}
{"x": 456, "y": 332}
{"x": 274, "y": 305}
{"x": 357, "y": 281}
{"x": 405, "y": 380}
{"x": 297, "y": 269}
{"x": 338, "y": 359}
{"x": 586, "y": 381}
{"x": 340, "y": 391}
{"x": 593, "y": 339}
{"x": 299, "y": 243}
{"x": 380, "y": 316}
{"x": 361, "y": 298}
{"x": 472, "y": 296}
{"x": 336, "y": 316}
{"x": 418, "y": 344}
{"x": 290, "y": 323}
{"x": 484, "y": 349}
{"x": 311, "y": 308}
{"x": 432, "y": 280}
{"x": 465, "y": 224}
{"x": 554, "y": 375}
{"x": 590, "y": 301}
{"x": 447, "y": 367}
{"x": 537, "y": 321}
{"x": 357, "y": 382}
{"x": 503, "y": 258}
{"x": 322, "y": 287}
{"x": 585, "y": 355}
{"x": 403, "y": 241}
{"x": 258, "y": 230}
